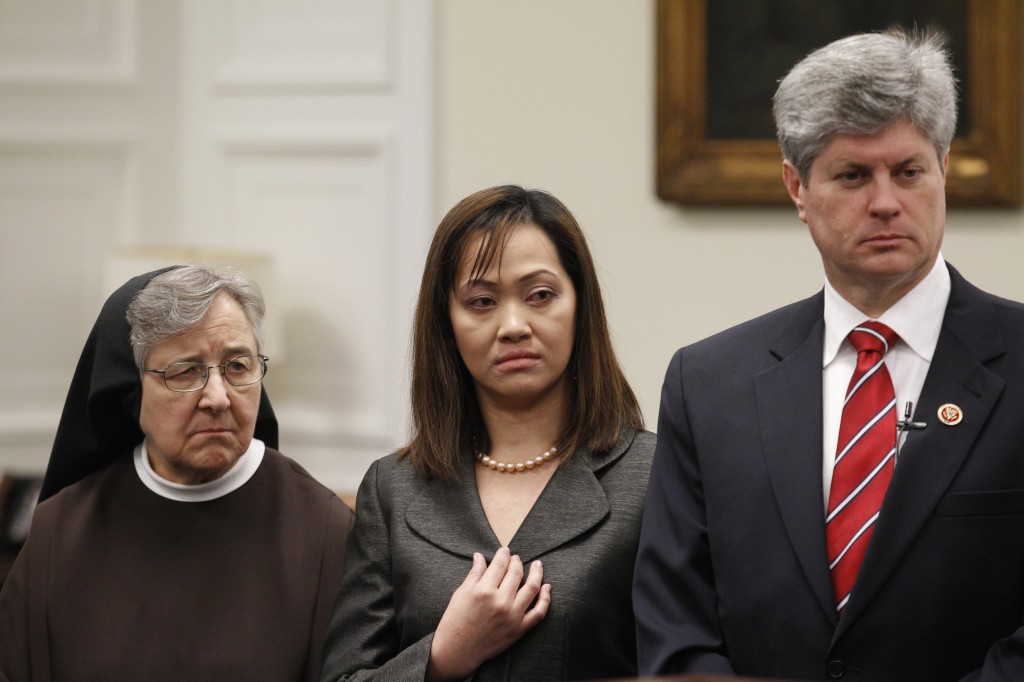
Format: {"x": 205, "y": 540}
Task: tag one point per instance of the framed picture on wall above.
{"x": 719, "y": 62}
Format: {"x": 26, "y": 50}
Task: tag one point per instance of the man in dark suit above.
{"x": 825, "y": 507}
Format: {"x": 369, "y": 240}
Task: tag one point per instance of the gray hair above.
{"x": 176, "y": 301}
{"x": 862, "y": 84}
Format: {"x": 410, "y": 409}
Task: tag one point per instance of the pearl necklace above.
{"x": 486, "y": 461}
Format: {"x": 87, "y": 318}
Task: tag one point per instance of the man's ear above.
{"x": 791, "y": 177}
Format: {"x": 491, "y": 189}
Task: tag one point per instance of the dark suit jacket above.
{"x": 413, "y": 545}
{"x": 732, "y": 573}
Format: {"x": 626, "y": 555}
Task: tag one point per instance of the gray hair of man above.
{"x": 177, "y": 300}
{"x": 862, "y": 84}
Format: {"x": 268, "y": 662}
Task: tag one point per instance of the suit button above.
{"x": 835, "y": 669}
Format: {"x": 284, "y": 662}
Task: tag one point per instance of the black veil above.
{"x": 100, "y": 421}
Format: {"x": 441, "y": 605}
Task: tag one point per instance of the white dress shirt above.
{"x": 916, "y": 318}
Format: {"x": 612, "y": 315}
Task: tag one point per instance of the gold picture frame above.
{"x": 692, "y": 169}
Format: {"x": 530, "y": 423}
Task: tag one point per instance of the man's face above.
{"x": 876, "y": 208}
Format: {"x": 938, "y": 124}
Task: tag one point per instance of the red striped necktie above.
{"x": 865, "y": 457}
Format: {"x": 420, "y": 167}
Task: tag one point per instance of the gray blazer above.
{"x": 412, "y": 546}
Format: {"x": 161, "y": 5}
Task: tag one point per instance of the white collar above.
{"x": 237, "y": 476}
{"x": 917, "y": 317}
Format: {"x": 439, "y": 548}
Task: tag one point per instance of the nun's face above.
{"x": 197, "y": 437}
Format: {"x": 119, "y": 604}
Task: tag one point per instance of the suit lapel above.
{"x": 930, "y": 459}
{"x": 572, "y": 503}
{"x": 450, "y": 515}
{"x": 790, "y": 420}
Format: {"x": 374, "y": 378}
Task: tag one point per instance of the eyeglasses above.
{"x": 185, "y": 377}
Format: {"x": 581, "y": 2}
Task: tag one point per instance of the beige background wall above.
{"x": 326, "y": 139}
{"x": 288, "y": 138}
{"x": 559, "y": 94}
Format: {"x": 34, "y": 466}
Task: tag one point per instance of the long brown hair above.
{"x": 446, "y": 417}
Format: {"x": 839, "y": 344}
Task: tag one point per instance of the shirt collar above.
{"x": 916, "y": 318}
{"x": 235, "y": 477}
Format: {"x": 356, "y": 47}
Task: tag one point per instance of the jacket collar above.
{"x": 449, "y": 514}
{"x": 930, "y": 459}
{"x": 790, "y": 420}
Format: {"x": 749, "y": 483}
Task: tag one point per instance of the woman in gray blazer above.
{"x": 499, "y": 543}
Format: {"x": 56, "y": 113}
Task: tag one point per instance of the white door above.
{"x": 292, "y": 138}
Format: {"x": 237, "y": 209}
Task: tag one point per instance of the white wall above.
{"x": 559, "y": 94}
{"x": 289, "y": 138}
{"x": 199, "y": 123}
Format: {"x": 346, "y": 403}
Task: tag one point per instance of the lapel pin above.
{"x": 950, "y": 414}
